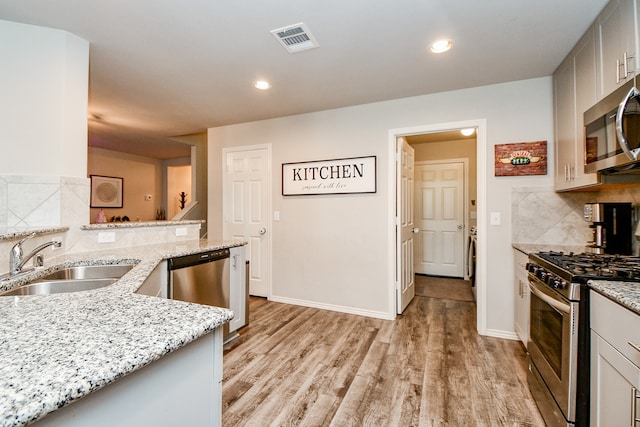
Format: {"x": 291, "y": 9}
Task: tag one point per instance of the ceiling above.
{"x": 164, "y": 68}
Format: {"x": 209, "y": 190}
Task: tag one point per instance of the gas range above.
{"x": 565, "y": 272}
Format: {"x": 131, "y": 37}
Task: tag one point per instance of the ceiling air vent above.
{"x": 295, "y": 38}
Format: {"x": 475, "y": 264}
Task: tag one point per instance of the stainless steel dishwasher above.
{"x": 201, "y": 278}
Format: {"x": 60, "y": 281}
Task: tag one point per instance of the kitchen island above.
{"x": 57, "y": 349}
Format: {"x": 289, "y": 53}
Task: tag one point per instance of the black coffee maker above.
{"x": 611, "y": 227}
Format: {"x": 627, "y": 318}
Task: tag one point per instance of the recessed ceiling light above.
{"x": 468, "y": 132}
{"x": 262, "y": 85}
{"x": 441, "y": 46}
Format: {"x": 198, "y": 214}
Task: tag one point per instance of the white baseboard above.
{"x": 496, "y": 333}
{"x": 331, "y": 307}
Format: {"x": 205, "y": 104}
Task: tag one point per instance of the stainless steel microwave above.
{"x": 612, "y": 132}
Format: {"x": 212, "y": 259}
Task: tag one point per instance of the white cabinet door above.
{"x": 585, "y": 64}
{"x": 238, "y": 291}
{"x": 157, "y": 284}
{"x": 564, "y": 115}
{"x": 521, "y": 321}
{"x": 617, "y": 45}
{"x": 614, "y": 386}
{"x": 575, "y": 91}
{"x": 615, "y": 375}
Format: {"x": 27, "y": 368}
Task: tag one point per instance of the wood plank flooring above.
{"x": 297, "y": 366}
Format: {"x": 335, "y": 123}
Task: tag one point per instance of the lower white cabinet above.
{"x": 156, "y": 284}
{"x": 615, "y": 374}
{"x": 521, "y": 295}
{"x": 238, "y": 285}
{"x": 183, "y": 388}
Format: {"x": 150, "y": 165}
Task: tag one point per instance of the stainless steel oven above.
{"x": 559, "y": 344}
{"x": 552, "y": 347}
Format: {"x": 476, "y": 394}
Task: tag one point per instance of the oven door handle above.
{"x": 558, "y": 305}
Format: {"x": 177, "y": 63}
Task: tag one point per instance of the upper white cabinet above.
{"x": 574, "y": 88}
{"x": 617, "y": 51}
{"x": 604, "y": 58}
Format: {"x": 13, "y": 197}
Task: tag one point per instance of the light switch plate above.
{"x": 495, "y": 218}
{"x": 181, "y": 231}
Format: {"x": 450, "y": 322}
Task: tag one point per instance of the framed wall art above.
{"x": 521, "y": 158}
{"x": 106, "y": 191}
{"x": 337, "y": 176}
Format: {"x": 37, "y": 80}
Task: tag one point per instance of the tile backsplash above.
{"x": 36, "y": 201}
{"x": 539, "y": 215}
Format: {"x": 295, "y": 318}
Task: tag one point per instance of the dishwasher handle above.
{"x": 196, "y": 259}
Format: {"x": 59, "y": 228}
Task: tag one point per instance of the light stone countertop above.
{"x": 528, "y": 248}
{"x": 627, "y": 294}
{"x": 55, "y": 349}
{"x": 138, "y": 224}
{"x": 15, "y": 233}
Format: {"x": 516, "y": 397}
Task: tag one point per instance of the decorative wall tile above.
{"x": 542, "y": 216}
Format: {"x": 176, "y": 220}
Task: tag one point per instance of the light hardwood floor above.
{"x": 297, "y": 366}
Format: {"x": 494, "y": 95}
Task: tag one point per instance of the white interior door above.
{"x": 440, "y": 218}
{"x": 246, "y": 196}
{"x": 405, "y": 282}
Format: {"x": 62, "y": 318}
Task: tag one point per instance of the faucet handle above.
{"x": 25, "y": 238}
{"x": 16, "y": 250}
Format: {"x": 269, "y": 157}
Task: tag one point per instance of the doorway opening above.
{"x": 179, "y": 188}
{"x": 435, "y": 146}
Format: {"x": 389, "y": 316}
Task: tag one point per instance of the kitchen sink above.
{"x": 89, "y": 272}
{"x": 73, "y": 279}
{"x": 59, "y": 286}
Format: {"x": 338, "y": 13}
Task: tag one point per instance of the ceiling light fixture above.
{"x": 441, "y": 46}
{"x": 262, "y": 85}
{"x": 468, "y": 131}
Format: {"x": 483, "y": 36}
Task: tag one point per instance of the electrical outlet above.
{"x": 106, "y": 236}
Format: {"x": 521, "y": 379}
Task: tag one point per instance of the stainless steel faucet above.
{"x": 17, "y": 260}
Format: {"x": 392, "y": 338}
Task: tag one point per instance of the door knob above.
{"x": 263, "y": 231}
{"x": 459, "y": 226}
{"x": 415, "y": 230}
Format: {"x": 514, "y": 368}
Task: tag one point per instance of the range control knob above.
{"x": 557, "y": 283}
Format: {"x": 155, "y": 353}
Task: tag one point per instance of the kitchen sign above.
{"x": 339, "y": 176}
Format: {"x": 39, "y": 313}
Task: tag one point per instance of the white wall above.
{"x": 43, "y": 112}
{"x": 334, "y": 250}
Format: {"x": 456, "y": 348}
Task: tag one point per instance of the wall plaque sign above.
{"x": 521, "y": 158}
{"x": 338, "y": 176}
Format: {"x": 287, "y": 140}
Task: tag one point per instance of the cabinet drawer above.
{"x": 520, "y": 264}
{"x": 617, "y": 325}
